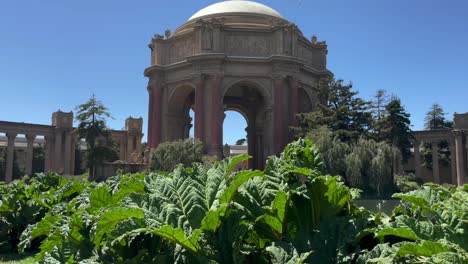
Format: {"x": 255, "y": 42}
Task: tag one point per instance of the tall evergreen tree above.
{"x": 396, "y": 127}
{"x": 92, "y": 117}
{"x": 345, "y": 113}
{"x": 435, "y": 118}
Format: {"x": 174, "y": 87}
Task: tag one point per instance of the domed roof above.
{"x": 237, "y": 6}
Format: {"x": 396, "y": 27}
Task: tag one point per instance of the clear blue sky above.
{"x": 54, "y": 54}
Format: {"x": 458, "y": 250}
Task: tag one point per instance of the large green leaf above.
{"x": 109, "y": 219}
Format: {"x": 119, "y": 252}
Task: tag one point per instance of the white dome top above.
{"x": 237, "y": 6}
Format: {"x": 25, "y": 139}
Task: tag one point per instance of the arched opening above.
{"x": 235, "y": 134}
{"x": 249, "y": 100}
{"x": 180, "y": 105}
{"x": 305, "y": 102}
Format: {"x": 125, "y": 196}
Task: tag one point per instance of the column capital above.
{"x": 30, "y": 137}
{"x": 198, "y": 77}
{"x": 10, "y": 135}
{"x": 458, "y": 133}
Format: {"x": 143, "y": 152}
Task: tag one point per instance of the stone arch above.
{"x": 181, "y": 100}
{"x": 306, "y": 102}
{"x": 251, "y": 100}
{"x": 265, "y": 92}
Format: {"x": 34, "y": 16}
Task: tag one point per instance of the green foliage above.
{"x": 428, "y": 227}
{"x": 170, "y": 154}
{"x": 407, "y": 182}
{"x": 395, "y": 128}
{"x": 241, "y": 141}
{"x": 92, "y": 127}
{"x": 24, "y": 203}
{"x": 366, "y": 164}
{"x": 288, "y": 213}
{"x": 345, "y": 114}
{"x": 17, "y": 172}
{"x": 38, "y": 160}
{"x": 435, "y": 118}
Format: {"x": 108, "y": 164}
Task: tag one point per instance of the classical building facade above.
{"x": 456, "y": 171}
{"x": 59, "y": 141}
{"x": 233, "y": 55}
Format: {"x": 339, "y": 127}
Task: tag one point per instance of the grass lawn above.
{"x": 17, "y": 259}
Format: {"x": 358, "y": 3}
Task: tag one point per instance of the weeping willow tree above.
{"x": 366, "y": 164}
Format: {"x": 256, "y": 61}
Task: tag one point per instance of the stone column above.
{"x": 417, "y": 158}
{"x": 67, "y": 155}
{"x": 278, "y": 121}
{"x": 122, "y": 148}
{"x": 459, "y": 157}
{"x": 138, "y": 144}
{"x": 29, "y": 153}
{"x": 251, "y": 146}
{"x": 48, "y": 151}
{"x": 58, "y": 151}
{"x": 260, "y": 159}
{"x": 150, "y": 118}
{"x": 216, "y": 114}
{"x": 199, "y": 108}
{"x": 294, "y": 100}
{"x": 10, "y": 153}
{"x": 453, "y": 164}
{"x": 73, "y": 148}
{"x": 156, "y": 116}
{"x": 435, "y": 161}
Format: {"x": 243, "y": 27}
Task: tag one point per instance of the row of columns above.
{"x": 458, "y": 161}
{"x": 62, "y": 160}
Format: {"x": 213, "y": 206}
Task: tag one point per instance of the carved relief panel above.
{"x": 180, "y": 49}
{"x": 248, "y": 45}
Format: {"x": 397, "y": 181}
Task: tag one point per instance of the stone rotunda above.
{"x": 233, "y": 55}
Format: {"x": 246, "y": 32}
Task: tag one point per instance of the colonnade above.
{"x": 457, "y": 142}
{"x": 60, "y": 141}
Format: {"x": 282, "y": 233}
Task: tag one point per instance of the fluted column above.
{"x": 10, "y": 153}
{"x": 154, "y": 136}
{"x": 294, "y": 100}
{"x": 435, "y": 162}
{"x": 48, "y": 151}
{"x": 251, "y": 146}
{"x": 58, "y": 151}
{"x": 29, "y": 153}
{"x": 453, "y": 164}
{"x": 150, "y": 123}
{"x": 417, "y": 159}
{"x": 216, "y": 114}
{"x": 460, "y": 157}
{"x": 278, "y": 120}
{"x": 199, "y": 108}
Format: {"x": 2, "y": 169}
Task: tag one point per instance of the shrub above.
{"x": 170, "y": 154}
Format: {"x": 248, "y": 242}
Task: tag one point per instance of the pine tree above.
{"x": 345, "y": 114}
{"x": 92, "y": 117}
{"x": 396, "y": 127}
